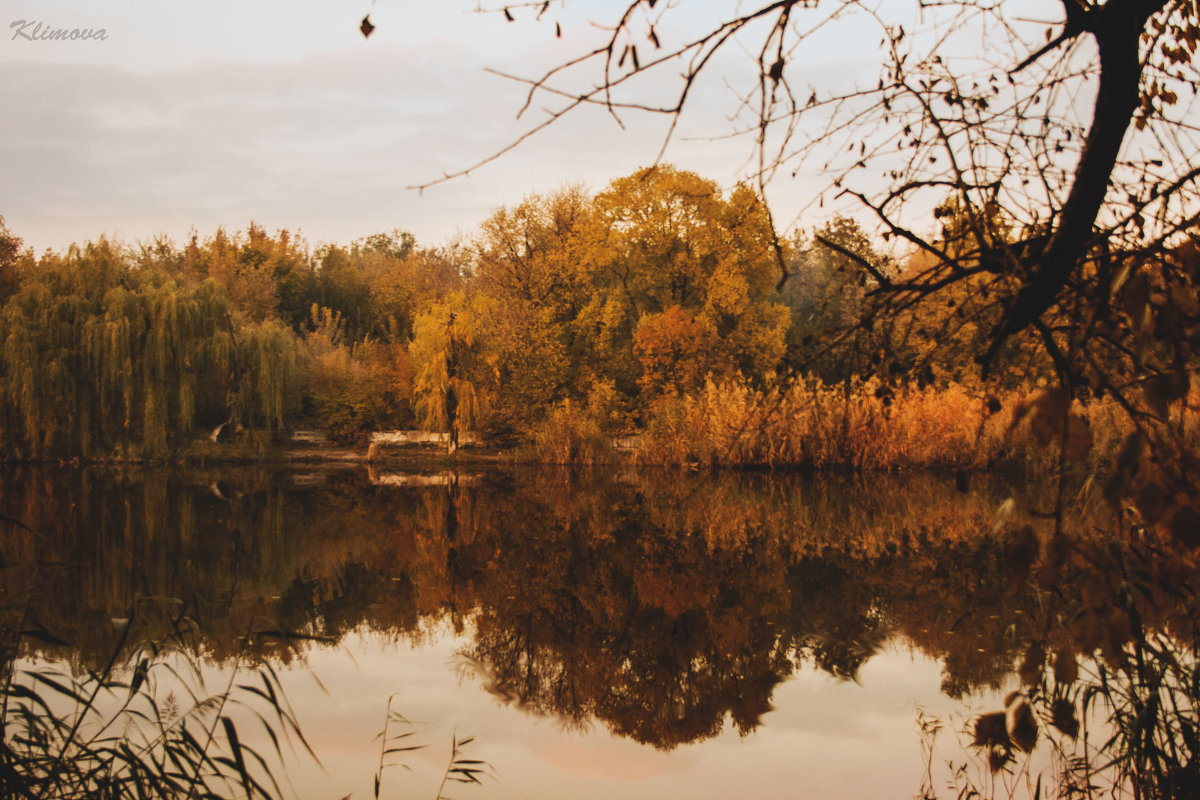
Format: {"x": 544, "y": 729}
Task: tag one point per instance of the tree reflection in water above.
{"x": 662, "y": 605}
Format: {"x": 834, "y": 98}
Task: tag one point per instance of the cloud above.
{"x": 227, "y": 116}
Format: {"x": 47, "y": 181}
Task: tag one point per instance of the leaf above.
{"x": 776, "y": 72}
{"x": 1066, "y": 668}
{"x": 408, "y": 749}
{"x": 235, "y": 747}
{"x": 61, "y": 688}
{"x": 508, "y": 15}
{"x": 990, "y": 730}
{"x": 139, "y": 676}
{"x": 366, "y": 27}
{"x": 1062, "y": 717}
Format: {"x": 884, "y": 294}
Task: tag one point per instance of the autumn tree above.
{"x": 10, "y": 250}
{"x": 826, "y": 292}
{"x": 454, "y": 367}
{"x": 380, "y": 283}
{"x": 969, "y": 99}
{"x": 1079, "y": 126}
{"x": 577, "y": 279}
{"x": 265, "y": 276}
{"x": 669, "y": 238}
{"x": 351, "y": 387}
{"x": 677, "y": 352}
{"x": 98, "y": 358}
{"x": 534, "y": 260}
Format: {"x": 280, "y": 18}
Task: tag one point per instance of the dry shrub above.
{"x": 569, "y": 435}
{"x": 866, "y": 425}
{"x": 870, "y": 425}
{"x": 863, "y": 426}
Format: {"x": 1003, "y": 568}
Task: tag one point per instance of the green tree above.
{"x": 104, "y": 353}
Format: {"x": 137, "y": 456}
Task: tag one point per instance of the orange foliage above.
{"x": 676, "y": 351}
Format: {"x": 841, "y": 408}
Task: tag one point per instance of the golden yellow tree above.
{"x": 455, "y": 370}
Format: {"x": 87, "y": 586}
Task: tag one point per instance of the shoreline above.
{"x": 421, "y": 456}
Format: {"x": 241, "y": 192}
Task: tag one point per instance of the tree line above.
{"x": 610, "y": 304}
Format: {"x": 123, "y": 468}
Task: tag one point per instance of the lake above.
{"x": 618, "y": 632}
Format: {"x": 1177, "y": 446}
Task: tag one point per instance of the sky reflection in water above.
{"x": 826, "y": 737}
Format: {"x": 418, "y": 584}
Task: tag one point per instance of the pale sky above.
{"x": 197, "y": 115}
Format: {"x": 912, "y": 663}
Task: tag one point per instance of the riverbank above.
{"x": 806, "y": 425}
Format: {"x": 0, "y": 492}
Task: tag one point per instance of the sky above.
{"x": 190, "y": 116}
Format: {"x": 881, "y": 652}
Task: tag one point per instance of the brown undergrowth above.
{"x": 862, "y": 426}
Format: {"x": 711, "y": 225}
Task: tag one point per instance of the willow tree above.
{"x": 455, "y": 372}
{"x": 99, "y": 359}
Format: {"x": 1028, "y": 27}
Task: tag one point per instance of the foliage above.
{"x": 579, "y": 278}
{"x": 142, "y": 725}
{"x": 352, "y": 388}
{"x": 1055, "y": 157}
{"x": 10, "y": 248}
{"x": 872, "y": 425}
{"x": 264, "y": 276}
{"x": 826, "y": 293}
{"x": 972, "y": 101}
{"x": 676, "y": 350}
{"x": 114, "y": 352}
{"x": 455, "y": 369}
{"x": 674, "y": 241}
{"x": 100, "y": 359}
{"x": 569, "y": 435}
{"x": 1107, "y": 686}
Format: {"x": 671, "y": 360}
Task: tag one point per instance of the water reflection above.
{"x": 656, "y": 604}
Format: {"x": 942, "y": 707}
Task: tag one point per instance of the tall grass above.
{"x": 865, "y": 426}
{"x": 570, "y": 434}
{"x": 143, "y": 726}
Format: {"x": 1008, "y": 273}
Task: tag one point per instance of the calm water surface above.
{"x": 606, "y": 634}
